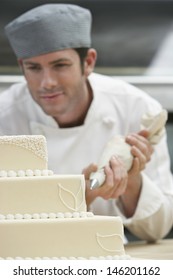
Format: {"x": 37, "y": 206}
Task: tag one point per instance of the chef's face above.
{"x": 57, "y": 82}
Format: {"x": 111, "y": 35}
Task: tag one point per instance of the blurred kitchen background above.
{"x": 132, "y": 37}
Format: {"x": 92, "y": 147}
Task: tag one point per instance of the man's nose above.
{"x": 49, "y": 79}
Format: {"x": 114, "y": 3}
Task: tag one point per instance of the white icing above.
{"x": 12, "y": 173}
{"x": 21, "y": 173}
{"x": 52, "y": 216}
{"x": 36, "y": 216}
{"x": 50, "y": 172}
{"x": 44, "y": 172}
{"x": 83, "y": 214}
{"x": 115, "y": 257}
{"x": 44, "y": 216}
{"x": 2, "y": 217}
{"x": 88, "y": 214}
{"x": 76, "y": 214}
{"x": 75, "y": 203}
{"x": 34, "y": 143}
{"x": 60, "y": 215}
{"x": 37, "y": 172}
{"x": 26, "y": 173}
{"x": 27, "y": 216}
{"x": 29, "y": 173}
{"x": 18, "y": 216}
{"x": 101, "y": 238}
{"x": 3, "y": 173}
{"x": 10, "y": 217}
{"x": 67, "y": 215}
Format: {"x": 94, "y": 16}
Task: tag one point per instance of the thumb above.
{"x": 87, "y": 170}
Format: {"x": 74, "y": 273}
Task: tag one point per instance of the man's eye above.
{"x": 33, "y": 68}
{"x": 61, "y": 65}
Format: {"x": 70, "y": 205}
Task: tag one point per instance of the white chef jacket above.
{"x": 116, "y": 109}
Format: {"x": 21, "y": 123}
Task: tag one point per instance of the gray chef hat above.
{"x": 49, "y": 28}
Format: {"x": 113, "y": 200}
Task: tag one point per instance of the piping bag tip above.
{"x": 94, "y": 183}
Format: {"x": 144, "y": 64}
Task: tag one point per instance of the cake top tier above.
{"x": 23, "y": 152}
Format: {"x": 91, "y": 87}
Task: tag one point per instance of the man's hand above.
{"x": 119, "y": 184}
{"x": 141, "y": 151}
{"x": 115, "y": 183}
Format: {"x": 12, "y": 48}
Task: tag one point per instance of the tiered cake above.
{"x": 43, "y": 215}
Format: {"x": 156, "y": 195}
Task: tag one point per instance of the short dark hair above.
{"x": 82, "y": 52}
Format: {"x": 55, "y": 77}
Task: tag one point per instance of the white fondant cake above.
{"x": 44, "y": 215}
{"x": 42, "y": 194}
{"x": 23, "y": 153}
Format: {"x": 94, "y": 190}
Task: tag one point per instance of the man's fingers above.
{"x": 87, "y": 170}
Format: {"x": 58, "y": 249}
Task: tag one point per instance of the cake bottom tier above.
{"x": 63, "y": 237}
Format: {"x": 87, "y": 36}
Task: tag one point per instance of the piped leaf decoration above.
{"x": 80, "y": 197}
{"x": 110, "y": 242}
{"x": 69, "y": 199}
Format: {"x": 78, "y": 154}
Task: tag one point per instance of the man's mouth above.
{"x": 49, "y": 96}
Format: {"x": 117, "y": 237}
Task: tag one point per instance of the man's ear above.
{"x": 90, "y": 62}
